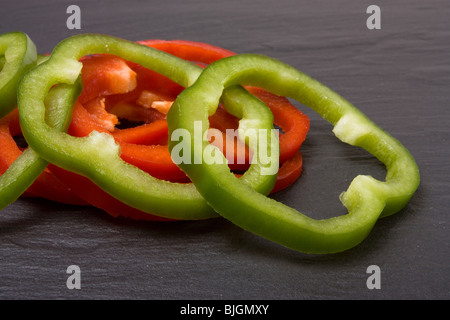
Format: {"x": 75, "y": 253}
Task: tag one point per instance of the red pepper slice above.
{"x": 289, "y": 172}
{"x": 113, "y": 77}
{"x": 100, "y": 199}
{"x": 294, "y": 123}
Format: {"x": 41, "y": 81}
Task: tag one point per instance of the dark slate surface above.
{"x": 398, "y": 75}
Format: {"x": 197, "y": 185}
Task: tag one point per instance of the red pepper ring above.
{"x": 91, "y": 193}
{"x": 46, "y": 186}
{"x": 289, "y": 172}
{"x": 293, "y": 122}
{"x": 198, "y": 52}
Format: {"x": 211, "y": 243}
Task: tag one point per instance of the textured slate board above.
{"x": 399, "y": 76}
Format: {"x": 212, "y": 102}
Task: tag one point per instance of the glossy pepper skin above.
{"x": 366, "y": 199}
{"x": 18, "y": 55}
{"x": 97, "y": 156}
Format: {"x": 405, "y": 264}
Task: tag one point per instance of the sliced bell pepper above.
{"x": 27, "y": 167}
{"x": 18, "y": 54}
{"x": 46, "y": 186}
{"x": 155, "y": 159}
{"x": 114, "y": 77}
{"x": 98, "y": 156}
{"x": 21, "y": 170}
{"x": 289, "y": 172}
{"x": 367, "y": 199}
{"x": 145, "y": 147}
{"x": 293, "y": 122}
{"x": 91, "y": 193}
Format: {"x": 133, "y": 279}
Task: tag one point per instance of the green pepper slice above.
{"x": 366, "y": 199}
{"x": 97, "y": 156}
{"x": 21, "y": 174}
{"x": 17, "y": 55}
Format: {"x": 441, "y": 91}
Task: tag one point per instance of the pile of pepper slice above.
{"x": 73, "y": 106}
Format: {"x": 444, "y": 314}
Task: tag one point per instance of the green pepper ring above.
{"x": 366, "y": 199}
{"x": 97, "y": 156}
{"x": 18, "y": 54}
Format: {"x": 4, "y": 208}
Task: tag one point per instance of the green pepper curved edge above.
{"x": 97, "y": 156}
{"x": 366, "y": 199}
{"x": 18, "y": 56}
